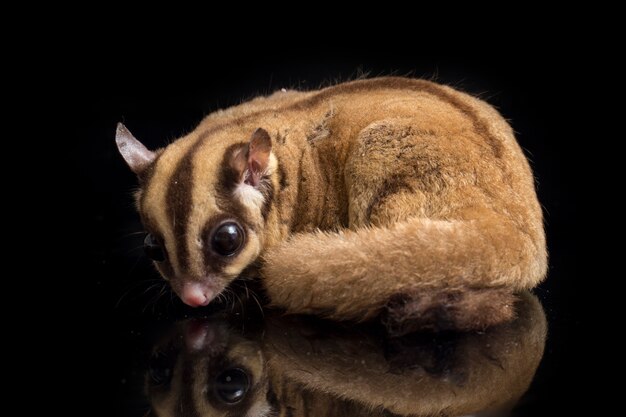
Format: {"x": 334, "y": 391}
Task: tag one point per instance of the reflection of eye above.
{"x": 227, "y": 239}
{"x": 153, "y": 248}
{"x": 160, "y": 370}
{"x": 231, "y": 385}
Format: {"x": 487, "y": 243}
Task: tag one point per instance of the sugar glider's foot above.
{"x": 462, "y": 310}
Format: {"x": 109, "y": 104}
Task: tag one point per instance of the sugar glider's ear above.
{"x": 253, "y": 162}
{"x": 137, "y": 156}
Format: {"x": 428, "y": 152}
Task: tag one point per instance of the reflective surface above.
{"x": 301, "y": 366}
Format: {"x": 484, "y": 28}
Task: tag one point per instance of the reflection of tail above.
{"x": 460, "y": 272}
{"x": 419, "y": 375}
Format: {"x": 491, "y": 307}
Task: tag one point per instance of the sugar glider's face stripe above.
{"x": 268, "y": 198}
{"x": 229, "y": 178}
{"x": 165, "y": 201}
{"x": 224, "y": 188}
{"x": 188, "y": 404}
{"x": 153, "y": 205}
{"x": 179, "y": 202}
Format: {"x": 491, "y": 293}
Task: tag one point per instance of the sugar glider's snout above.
{"x": 196, "y": 294}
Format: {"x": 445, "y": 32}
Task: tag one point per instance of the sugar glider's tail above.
{"x": 418, "y": 273}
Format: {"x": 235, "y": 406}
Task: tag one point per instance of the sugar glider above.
{"x": 390, "y": 197}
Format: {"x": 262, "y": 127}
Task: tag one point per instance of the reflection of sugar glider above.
{"x": 347, "y": 198}
{"x": 296, "y": 368}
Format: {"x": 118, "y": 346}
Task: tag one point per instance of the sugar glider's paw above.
{"x": 465, "y": 309}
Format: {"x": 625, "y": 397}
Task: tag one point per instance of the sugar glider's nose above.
{"x": 195, "y": 294}
{"x": 198, "y": 334}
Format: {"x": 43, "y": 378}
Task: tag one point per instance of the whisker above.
{"x": 240, "y": 301}
{"x": 159, "y": 297}
{"x": 254, "y": 297}
{"x": 133, "y": 287}
{"x": 155, "y": 299}
{"x": 131, "y": 234}
{"x": 152, "y": 300}
{"x": 150, "y": 288}
{"x": 131, "y": 250}
{"x": 247, "y": 292}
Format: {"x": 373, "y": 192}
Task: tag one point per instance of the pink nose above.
{"x": 195, "y": 294}
{"x": 198, "y": 334}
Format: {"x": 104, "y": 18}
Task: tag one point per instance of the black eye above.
{"x": 160, "y": 368}
{"x": 227, "y": 239}
{"x": 232, "y": 385}
{"x": 153, "y": 248}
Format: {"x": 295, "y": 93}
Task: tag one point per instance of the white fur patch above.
{"x": 259, "y": 409}
{"x": 249, "y": 196}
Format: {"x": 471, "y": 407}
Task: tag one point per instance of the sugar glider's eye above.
{"x": 161, "y": 366}
{"x": 153, "y": 249}
{"x": 232, "y": 385}
{"x": 227, "y": 239}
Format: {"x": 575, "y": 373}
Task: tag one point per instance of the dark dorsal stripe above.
{"x": 480, "y": 124}
{"x": 362, "y": 86}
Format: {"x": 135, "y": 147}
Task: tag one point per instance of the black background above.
{"x": 162, "y": 98}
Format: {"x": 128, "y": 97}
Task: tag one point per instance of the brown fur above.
{"x": 447, "y": 310}
{"x": 300, "y": 368}
{"x": 380, "y": 189}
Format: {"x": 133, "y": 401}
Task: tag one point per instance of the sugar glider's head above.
{"x": 204, "y": 201}
{"x": 205, "y": 368}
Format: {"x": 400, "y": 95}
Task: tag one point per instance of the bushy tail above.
{"x": 418, "y": 273}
